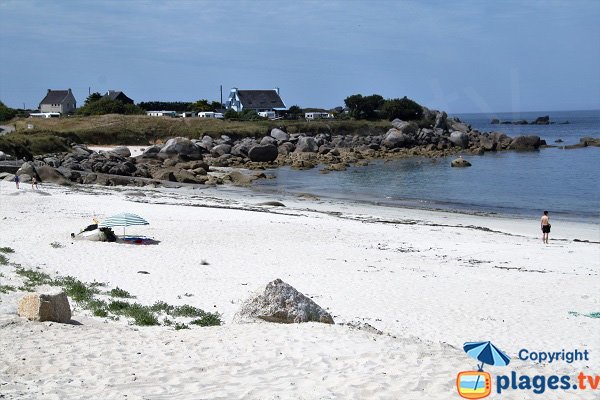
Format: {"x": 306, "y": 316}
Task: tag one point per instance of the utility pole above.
{"x": 221, "y": 86}
{"x": 89, "y": 90}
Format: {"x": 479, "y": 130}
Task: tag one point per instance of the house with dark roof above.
{"x": 118, "y": 95}
{"x": 61, "y": 101}
{"x": 257, "y": 100}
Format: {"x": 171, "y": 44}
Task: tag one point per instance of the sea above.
{"x": 566, "y": 182}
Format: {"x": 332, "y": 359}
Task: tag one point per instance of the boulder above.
{"x": 241, "y": 149}
{"x": 49, "y": 306}
{"x": 280, "y": 302}
{"x": 455, "y": 125}
{"x": 220, "y": 149}
{"x": 545, "y": 120}
{"x": 279, "y": 135}
{"x": 122, "y": 151}
{"x": 238, "y": 178}
{"x": 399, "y": 124}
{"x": 459, "y": 138}
{"x": 2, "y": 156}
{"x": 495, "y": 121}
{"x": 268, "y": 140}
{"x": 49, "y": 174}
{"x": 151, "y": 152}
{"x": 26, "y": 169}
{"x": 525, "y": 143}
{"x": 52, "y": 161}
{"x": 395, "y": 139}
{"x": 286, "y": 148}
{"x": 263, "y": 153}
{"x": 440, "y": 120}
{"x": 181, "y": 147}
{"x": 460, "y": 162}
{"x": 590, "y": 141}
{"x": 306, "y": 145}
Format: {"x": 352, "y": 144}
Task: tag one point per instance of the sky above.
{"x": 458, "y": 56}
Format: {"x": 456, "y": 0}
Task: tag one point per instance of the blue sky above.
{"x": 459, "y": 56}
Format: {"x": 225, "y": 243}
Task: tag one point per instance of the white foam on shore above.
{"x": 432, "y": 280}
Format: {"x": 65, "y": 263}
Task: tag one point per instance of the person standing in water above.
{"x": 545, "y": 222}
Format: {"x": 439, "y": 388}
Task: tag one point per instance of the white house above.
{"x": 268, "y": 114}
{"x": 161, "y": 113}
{"x": 257, "y": 100}
{"x": 58, "y": 101}
{"x": 210, "y": 114}
{"x": 318, "y": 115}
{"x": 45, "y": 115}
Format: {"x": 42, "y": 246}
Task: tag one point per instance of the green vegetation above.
{"x": 374, "y": 107}
{"x": 23, "y": 145}
{"x": 3, "y": 260}
{"x": 6, "y": 250}
{"x": 6, "y": 113}
{"x": 105, "y": 105}
{"x": 208, "y": 319}
{"x": 85, "y": 295}
{"x": 118, "y": 292}
{"x": 7, "y": 288}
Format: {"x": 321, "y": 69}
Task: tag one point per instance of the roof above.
{"x": 117, "y": 95}
{"x": 260, "y": 99}
{"x": 55, "y": 96}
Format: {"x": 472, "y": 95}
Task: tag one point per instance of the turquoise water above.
{"x": 564, "y": 182}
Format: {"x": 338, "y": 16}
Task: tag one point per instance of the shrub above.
{"x": 6, "y": 250}
{"x": 404, "y": 108}
{"x": 208, "y": 319}
{"x": 6, "y": 113}
{"x": 118, "y": 292}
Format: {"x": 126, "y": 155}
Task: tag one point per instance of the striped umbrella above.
{"x": 487, "y": 353}
{"x": 124, "y": 220}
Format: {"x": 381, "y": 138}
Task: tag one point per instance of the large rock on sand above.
{"x": 49, "y": 306}
{"x": 280, "y": 302}
{"x": 49, "y": 174}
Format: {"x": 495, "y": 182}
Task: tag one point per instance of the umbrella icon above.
{"x": 487, "y": 353}
{"x": 124, "y": 220}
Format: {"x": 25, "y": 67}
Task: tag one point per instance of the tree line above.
{"x": 371, "y": 107}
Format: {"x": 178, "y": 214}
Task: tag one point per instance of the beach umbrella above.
{"x": 487, "y": 353}
{"x": 124, "y": 220}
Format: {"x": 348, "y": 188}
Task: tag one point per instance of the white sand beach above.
{"x": 426, "y": 281}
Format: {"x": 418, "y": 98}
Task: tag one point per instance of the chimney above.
{"x": 277, "y": 90}
{"x": 69, "y": 90}
{"x": 48, "y": 90}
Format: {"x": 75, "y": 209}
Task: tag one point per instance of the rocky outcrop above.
{"x": 460, "y": 163}
{"x": 48, "y": 306}
{"x": 280, "y": 302}
{"x": 525, "y": 143}
{"x": 545, "y": 120}
{"x": 459, "y": 138}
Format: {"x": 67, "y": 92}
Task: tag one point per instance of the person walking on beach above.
{"x": 34, "y": 184}
{"x": 17, "y": 181}
{"x": 545, "y": 222}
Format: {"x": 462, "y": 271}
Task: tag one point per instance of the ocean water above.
{"x": 564, "y": 182}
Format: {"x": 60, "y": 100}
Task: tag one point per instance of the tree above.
{"x": 404, "y": 108}
{"x": 6, "y": 113}
{"x": 295, "y": 111}
{"x": 108, "y": 106}
{"x": 366, "y": 107}
{"x": 92, "y": 98}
